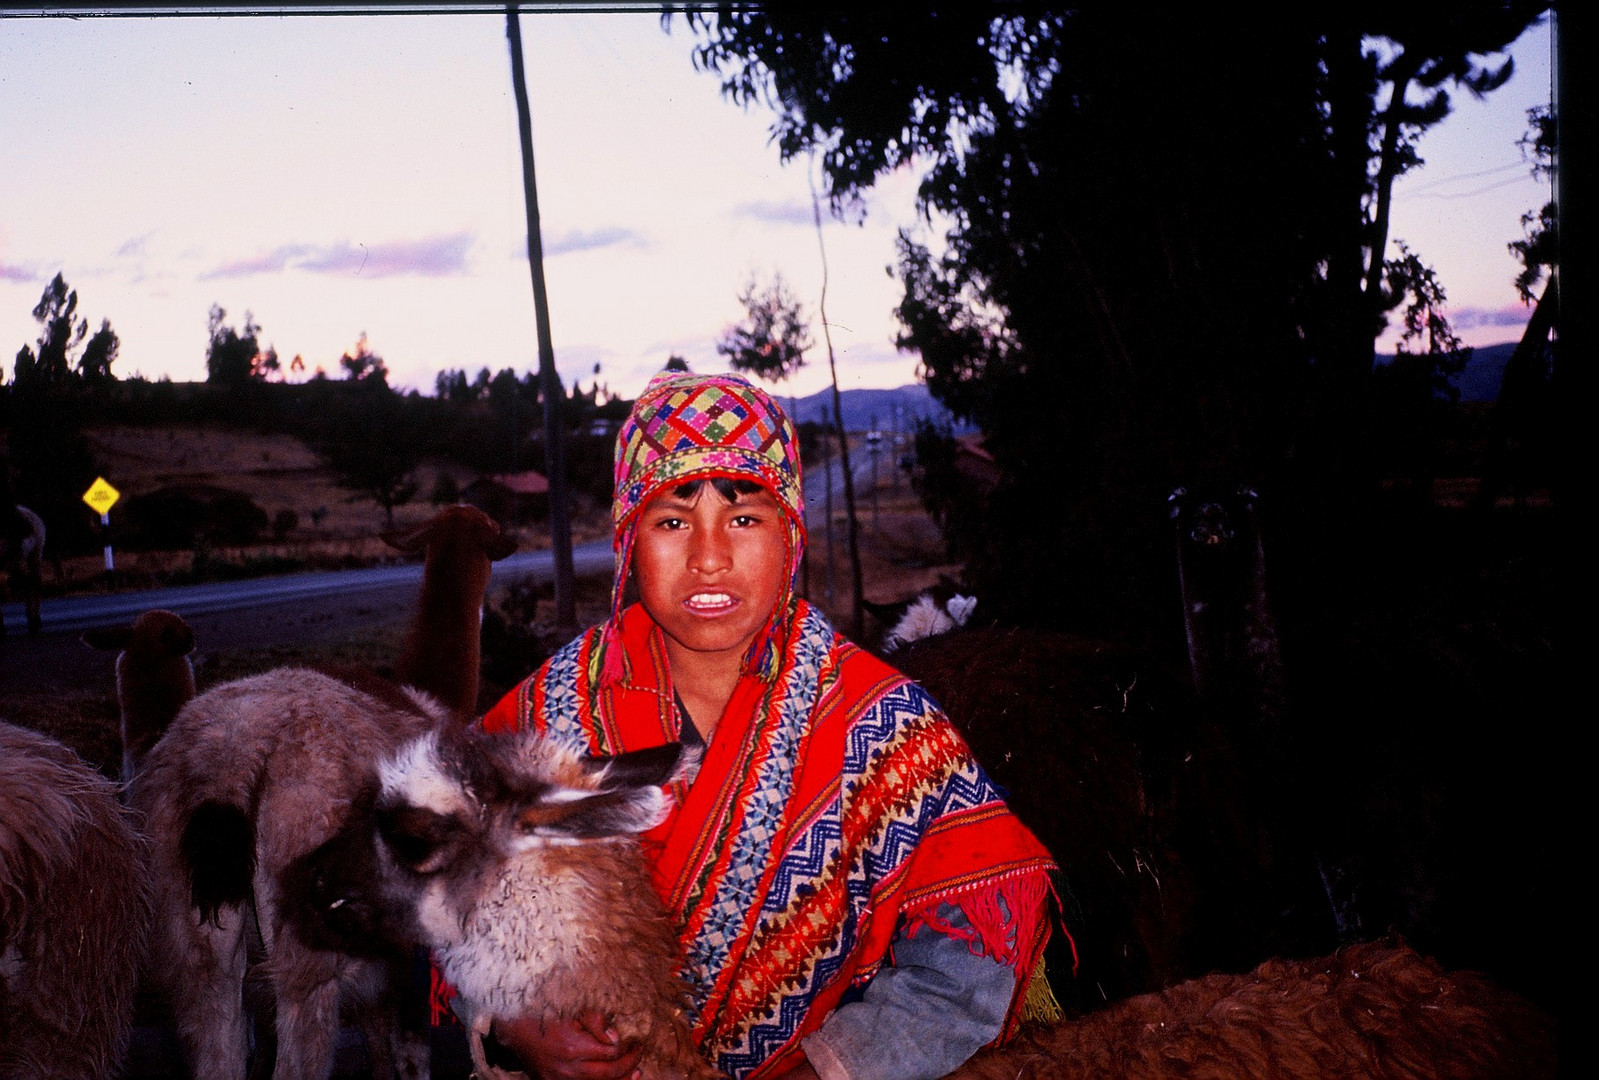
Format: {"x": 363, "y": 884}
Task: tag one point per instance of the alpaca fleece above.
{"x": 74, "y": 913}
{"x": 514, "y": 859}
{"x": 1375, "y": 1011}
{"x": 252, "y": 775}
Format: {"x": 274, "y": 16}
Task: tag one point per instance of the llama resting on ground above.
{"x": 154, "y": 678}
{"x": 514, "y": 858}
{"x": 1374, "y": 1011}
{"x": 251, "y": 776}
{"x": 74, "y": 912}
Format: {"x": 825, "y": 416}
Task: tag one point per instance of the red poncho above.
{"x": 835, "y": 804}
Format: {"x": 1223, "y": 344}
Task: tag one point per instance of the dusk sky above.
{"x": 341, "y": 175}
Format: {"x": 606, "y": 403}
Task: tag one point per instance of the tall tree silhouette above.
{"x": 234, "y": 357}
{"x": 1158, "y": 266}
{"x": 61, "y": 331}
{"x": 53, "y": 462}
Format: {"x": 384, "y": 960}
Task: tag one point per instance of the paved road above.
{"x": 294, "y": 609}
{"x": 77, "y": 613}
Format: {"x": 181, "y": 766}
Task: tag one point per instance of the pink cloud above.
{"x": 778, "y": 213}
{"x": 1473, "y": 318}
{"x": 569, "y": 242}
{"x": 434, "y": 256}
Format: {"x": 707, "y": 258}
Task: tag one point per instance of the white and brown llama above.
{"x": 511, "y": 857}
{"x": 254, "y": 774}
{"x": 514, "y": 859}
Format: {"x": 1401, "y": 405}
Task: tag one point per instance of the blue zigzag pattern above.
{"x": 810, "y": 856}
{"x": 735, "y": 894}
{"x": 563, "y": 706}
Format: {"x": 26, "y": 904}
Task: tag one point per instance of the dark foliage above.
{"x": 771, "y": 341}
{"x": 179, "y": 517}
{"x": 1166, "y": 257}
{"x": 43, "y": 412}
{"x": 235, "y": 357}
{"x": 369, "y": 438}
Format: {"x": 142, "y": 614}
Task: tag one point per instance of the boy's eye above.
{"x": 670, "y": 523}
{"x": 744, "y": 521}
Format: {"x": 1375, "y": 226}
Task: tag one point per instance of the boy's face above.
{"x": 710, "y": 571}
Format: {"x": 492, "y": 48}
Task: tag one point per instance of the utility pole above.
{"x": 549, "y": 381}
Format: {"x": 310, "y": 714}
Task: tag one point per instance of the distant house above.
{"x": 974, "y": 461}
{"x": 510, "y": 497}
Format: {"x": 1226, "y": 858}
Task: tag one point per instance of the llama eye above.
{"x": 416, "y": 836}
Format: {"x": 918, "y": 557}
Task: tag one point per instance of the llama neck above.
{"x": 442, "y": 650}
{"x": 150, "y": 697}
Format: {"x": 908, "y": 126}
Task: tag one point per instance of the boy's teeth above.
{"x": 709, "y": 598}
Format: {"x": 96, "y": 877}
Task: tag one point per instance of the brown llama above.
{"x": 1376, "y": 1011}
{"x": 442, "y": 654}
{"x": 74, "y": 913}
{"x": 154, "y": 678}
{"x": 513, "y": 858}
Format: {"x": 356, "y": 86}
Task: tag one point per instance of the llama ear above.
{"x": 653, "y": 767}
{"x": 960, "y": 608}
{"x": 565, "y": 815}
{"x": 410, "y": 541}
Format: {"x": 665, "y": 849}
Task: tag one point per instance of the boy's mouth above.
{"x": 710, "y": 603}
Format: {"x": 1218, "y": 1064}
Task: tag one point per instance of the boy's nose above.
{"x": 710, "y": 552}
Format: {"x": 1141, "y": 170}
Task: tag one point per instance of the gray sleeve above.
{"x": 920, "y": 1018}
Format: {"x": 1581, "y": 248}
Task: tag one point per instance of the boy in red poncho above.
{"x": 856, "y": 901}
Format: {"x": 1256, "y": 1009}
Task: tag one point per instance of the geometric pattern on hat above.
{"x": 685, "y": 426}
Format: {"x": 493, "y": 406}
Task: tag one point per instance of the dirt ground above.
{"x": 279, "y": 473}
{"x": 59, "y": 686}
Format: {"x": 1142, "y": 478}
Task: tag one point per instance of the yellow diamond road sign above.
{"x": 101, "y": 495}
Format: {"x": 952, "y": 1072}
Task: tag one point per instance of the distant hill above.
{"x": 1480, "y": 379}
{"x": 868, "y": 409}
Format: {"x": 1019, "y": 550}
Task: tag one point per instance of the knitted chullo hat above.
{"x": 688, "y": 427}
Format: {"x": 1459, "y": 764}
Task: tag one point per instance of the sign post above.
{"x": 101, "y": 496}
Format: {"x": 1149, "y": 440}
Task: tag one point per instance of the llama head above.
{"x": 1211, "y": 519}
{"x": 152, "y": 636}
{"x": 459, "y": 527}
{"x": 447, "y": 813}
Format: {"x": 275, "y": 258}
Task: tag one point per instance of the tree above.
{"x": 772, "y": 340}
{"x": 361, "y": 364}
{"x": 235, "y": 358}
{"x": 1538, "y": 249}
{"x": 371, "y": 444}
{"x": 1159, "y": 263}
{"x": 94, "y": 366}
{"x": 61, "y": 332}
{"x": 1520, "y": 444}
{"x": 53, "y": 461}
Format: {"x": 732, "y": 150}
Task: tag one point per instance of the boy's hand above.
{"x": 583, "y": 1049}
